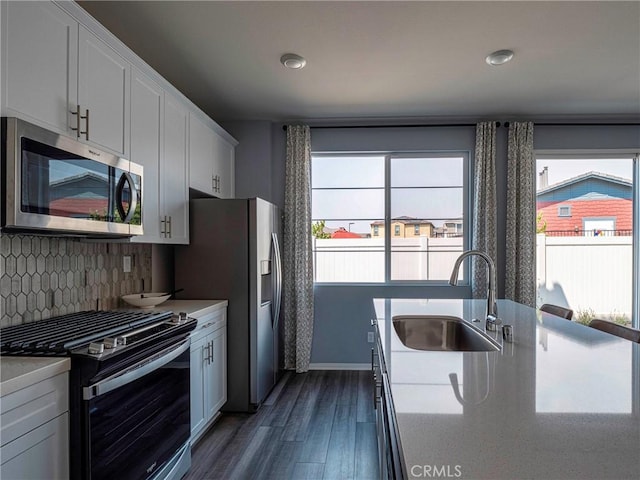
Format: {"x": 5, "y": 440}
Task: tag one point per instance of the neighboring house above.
{"x": 79, "y": 196}
{"x": 591, "y": 204}
{"x": 342, "y": 233}
{"x": 450, "y": 229}
{"x": 404, "y": 227}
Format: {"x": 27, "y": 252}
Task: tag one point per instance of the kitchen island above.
{"x": 559, "y": 402}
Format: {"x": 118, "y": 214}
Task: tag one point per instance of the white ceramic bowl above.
{"x": 146, "y": 300}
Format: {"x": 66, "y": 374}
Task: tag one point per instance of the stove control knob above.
{"x": 182, "y": 317}
{"x": 110, "y": 342}
{"x": 96, "y": 348}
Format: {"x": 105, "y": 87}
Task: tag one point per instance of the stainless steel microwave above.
{"x": 55, "y": 184}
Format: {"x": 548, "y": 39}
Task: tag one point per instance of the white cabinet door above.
{"x": 198, "y": 366}
{"x": 147, "y": 105}
{"x": 223, "y": 167}
{"x": 200, "y": 156}
{"x": 42, "y": 453}
{"x": 39, "y": 64}
{"x": 174, "y": 186}
{"x": 103, "y": 90}
{"x": 218, "y": 371}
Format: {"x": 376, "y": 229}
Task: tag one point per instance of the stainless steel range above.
{"x": 129, "y": 389}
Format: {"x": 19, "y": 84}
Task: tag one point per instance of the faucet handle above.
{"x": 492, "y": 322}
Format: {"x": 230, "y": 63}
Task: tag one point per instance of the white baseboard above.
{"x": 339, "y": 366}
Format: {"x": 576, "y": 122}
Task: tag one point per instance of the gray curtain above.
{"x": 484, "y": 205}
{"x": 520, "y": 282}
{"x": 298, "y": 259}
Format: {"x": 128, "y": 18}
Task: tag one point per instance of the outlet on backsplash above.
{"x": 126, "y": 263}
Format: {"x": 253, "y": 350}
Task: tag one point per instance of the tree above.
{"x": 541, "y": 224}
{"x": 317, "y": 230}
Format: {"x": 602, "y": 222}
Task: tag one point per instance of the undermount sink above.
{"x": 442, "y": 333}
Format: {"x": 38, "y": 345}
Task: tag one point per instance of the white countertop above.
{"x": 20, "y": 372}
{"x": 560, "y": 402}
{"x": 193, "y": 308}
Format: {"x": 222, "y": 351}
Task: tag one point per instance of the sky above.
{"x": 366, "y": 172}
{"x": 429, "y": 188}
{"x": 567, "y": 168}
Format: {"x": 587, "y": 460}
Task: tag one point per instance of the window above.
{"x": 564, "y": 211}
{"x": 373, "y": 193}
{"x": 585, "y": 251}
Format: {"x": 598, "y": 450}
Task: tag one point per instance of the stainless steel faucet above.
{"x": 492, "y": 308}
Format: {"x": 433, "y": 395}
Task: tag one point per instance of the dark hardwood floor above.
{"x": 315, "y": 425}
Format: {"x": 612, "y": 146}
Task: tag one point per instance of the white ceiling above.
{"x": 389, "y": 59}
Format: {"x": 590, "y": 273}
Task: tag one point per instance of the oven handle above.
{"x": 136, "y": 371}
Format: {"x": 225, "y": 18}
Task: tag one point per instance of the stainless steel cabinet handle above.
{"x": 207, "y": 356}
{"x": 86, "y": 130}
{"x": 211, "y": 351}
{"x": 169, "y": 226}
{"x": 77, "y": 127}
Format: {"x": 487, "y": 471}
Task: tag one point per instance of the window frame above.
{"x": 633, "y": 153}
{"x": 562, "y": 209}
{"x": 467, "y": 193}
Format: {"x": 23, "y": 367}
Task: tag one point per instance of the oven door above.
{"x": 138, "y": 419}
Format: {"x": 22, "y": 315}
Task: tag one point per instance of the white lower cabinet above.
{"x": 208, "y": 371}
{"x": 40, "y": 454}
{"x": 34, "y": 431}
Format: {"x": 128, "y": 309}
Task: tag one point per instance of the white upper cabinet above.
{"x": 200, "y": 156}
{"x": 211, "y": 159}
{"x": 63, "y": 71}
{"x": 55, "y": 71}
{"x": 147, "y": 111}
{"x": 39, "y": 64}
{"x": 103, "y": 94}
{"x": 174, "y": 173}
{"x": 224, "y": 167}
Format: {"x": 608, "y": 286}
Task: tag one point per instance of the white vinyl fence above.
{"x": 361, "y": 260}
{"x": 586, "y": 273}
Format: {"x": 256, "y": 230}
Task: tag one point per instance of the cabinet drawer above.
{"x": 40, "y": 454}
{"x": 30, "y": 407}
{"x": 209, "y": 323}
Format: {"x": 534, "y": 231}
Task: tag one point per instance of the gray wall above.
{"x": 343, "y": 313}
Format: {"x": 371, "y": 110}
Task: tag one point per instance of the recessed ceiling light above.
{"x": 293, "y": 61}
{"x": 499, "y": 57}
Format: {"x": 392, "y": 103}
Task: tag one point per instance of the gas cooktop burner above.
{"x": 82, "y": 332}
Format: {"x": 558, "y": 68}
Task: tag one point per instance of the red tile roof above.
{"x": 342, "y": 233}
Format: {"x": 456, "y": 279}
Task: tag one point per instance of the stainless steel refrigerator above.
{"x": 234, "y": 254}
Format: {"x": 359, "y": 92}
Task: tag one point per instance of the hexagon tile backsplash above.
{"x": 42, "y": 277}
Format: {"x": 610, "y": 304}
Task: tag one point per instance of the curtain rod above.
{"x": 498, "y": 124}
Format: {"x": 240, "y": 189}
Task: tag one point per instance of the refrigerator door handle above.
{"x": 277, "y": 284}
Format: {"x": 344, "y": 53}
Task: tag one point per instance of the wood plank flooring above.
{"x": 315, "y": 425}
